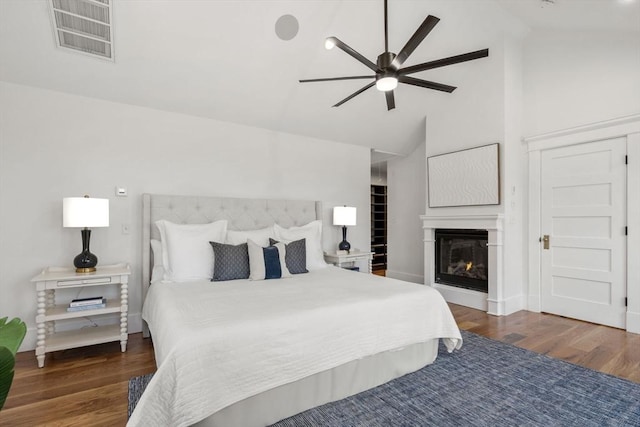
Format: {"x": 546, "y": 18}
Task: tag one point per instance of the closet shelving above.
{"x": 379, "y": 227}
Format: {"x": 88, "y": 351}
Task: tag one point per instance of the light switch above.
{"x": 121, "y": 191}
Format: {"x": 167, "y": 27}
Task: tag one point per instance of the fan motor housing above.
{"x": 384, "y": 61}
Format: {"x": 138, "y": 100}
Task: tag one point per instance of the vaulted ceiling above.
{"x": 224, "y": 60}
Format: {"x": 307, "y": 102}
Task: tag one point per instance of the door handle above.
{"x": 545, "y": 241}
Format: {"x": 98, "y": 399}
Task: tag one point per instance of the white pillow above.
{"x": 312, "y": 232}
{"x": 257, "y": 264}
{"x": 157, "y": 273}
{"x": 260, "y": 236}
{"x": 186, "y": 252}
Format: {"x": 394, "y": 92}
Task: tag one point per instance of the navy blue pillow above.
{"x": 272, "y": 269}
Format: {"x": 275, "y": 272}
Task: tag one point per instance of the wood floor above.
{"x": 609, "y": 350}
{"x": 88, "y": 386}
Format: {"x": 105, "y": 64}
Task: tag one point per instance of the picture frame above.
{"x": 469, "y": 177}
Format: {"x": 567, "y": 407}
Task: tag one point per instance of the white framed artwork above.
{"x": 465, "y": 178}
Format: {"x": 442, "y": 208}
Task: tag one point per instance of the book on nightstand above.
{"x": 86, "y": 301}
{"x": 100, "y": 303}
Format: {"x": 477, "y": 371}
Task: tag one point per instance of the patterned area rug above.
{"x": 486, "y": 383}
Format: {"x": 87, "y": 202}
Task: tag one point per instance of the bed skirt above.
{"x": 329, "y": 386}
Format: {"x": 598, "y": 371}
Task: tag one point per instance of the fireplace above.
{"x": 461, "y": 258}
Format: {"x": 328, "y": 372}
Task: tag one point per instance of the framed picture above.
{"x": 465, "y": 178}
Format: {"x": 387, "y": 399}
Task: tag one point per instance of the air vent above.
{"x": 84, "y": 26}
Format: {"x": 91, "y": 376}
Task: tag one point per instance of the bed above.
{"x": 252, "y": 352}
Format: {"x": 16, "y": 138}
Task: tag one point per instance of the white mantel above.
{"x": 493, "y": 302}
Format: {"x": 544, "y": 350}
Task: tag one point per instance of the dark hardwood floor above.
{"x": 88, "y": 386}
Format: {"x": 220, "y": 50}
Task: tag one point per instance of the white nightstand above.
{"x": 54, "y": 278}
{"x": 344, "y": 260}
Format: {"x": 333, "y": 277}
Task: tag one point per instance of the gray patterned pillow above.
{"x": 231, "y": 262}
{"x": 296, "y": 255}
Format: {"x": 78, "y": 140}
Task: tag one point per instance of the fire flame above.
{"x": 469, "y": 265}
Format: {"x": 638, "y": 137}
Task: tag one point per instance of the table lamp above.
{"x": 85, "y": 212}
{"x": 344, "y": 215}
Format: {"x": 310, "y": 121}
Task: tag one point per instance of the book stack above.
{"x": 90, "y": 303}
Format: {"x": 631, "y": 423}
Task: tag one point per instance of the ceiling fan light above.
{"x": 330, "y": 43}
{"x": 386, "y": 84}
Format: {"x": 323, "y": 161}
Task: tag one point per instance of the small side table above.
{"x": 341, "y": 260}
{"x": 48, "y": 313}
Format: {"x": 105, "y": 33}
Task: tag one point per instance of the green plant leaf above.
{"x": 12, "y": 333}
{"x": 7, "y": 363}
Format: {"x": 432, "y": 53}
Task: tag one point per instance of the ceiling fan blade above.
{"x": 391, "y": 102}
{"x": 470, "y": 56}
{"x": 349, "y": 50}
{"x": 426, "y": 83}
{"x": 415, "y": 40}
{"x": 330, "y": 79}
{"x": 356, "y": 93}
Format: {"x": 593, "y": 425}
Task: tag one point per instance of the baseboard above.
{"x": 31, "y": 338}
{"x": 633, "y": 322}
{"x": 533, "y": 303}
{"x": 407, "y": 277}
{"x": 512, "y": 304}
{"x": 464, "y": 297}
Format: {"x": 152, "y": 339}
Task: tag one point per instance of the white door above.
{"x": 583, "y": 215}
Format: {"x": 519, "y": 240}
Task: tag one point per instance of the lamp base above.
{"x": 85, "y": 262}
{"x": 344, "y": 245}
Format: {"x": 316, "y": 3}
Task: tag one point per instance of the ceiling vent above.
{"x": 84, "y": 26}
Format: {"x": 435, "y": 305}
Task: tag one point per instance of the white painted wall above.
{"x": 577, "y": 78}
{"x": 473, "y": 115}
{"x": 492, "y": 113}
{"x": 405, "y": 204}
{"x": 514, "y": 196}
{"x": 54, "y": 145}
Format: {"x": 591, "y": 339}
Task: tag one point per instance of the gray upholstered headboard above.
{"x": 241, "y": 214}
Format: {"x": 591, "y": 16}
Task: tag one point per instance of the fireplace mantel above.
{"x": 493, "y": 302}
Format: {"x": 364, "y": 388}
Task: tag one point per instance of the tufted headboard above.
{"x": 241, "y": 214}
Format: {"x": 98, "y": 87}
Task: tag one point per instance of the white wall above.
{"x": 471, "y": 116}
{"x": 514, "y": 177}
{"x": 578, "y": 78}
{"x": 405, "y": 203}
{"x": 54, "y": 145}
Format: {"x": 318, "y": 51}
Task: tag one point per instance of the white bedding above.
{"x": 219, "y": 342}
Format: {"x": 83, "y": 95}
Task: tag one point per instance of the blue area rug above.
{"x": 486, "y": 383}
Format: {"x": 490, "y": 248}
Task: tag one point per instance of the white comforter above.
{"x": 220, "y": 342}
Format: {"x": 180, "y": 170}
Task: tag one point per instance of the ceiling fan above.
{"x": 387, "y": 69}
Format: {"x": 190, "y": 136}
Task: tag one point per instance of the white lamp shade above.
{"x": 344, "y": 215}
{"x": 85, "y": 212}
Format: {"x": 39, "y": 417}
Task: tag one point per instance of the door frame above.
{"x": 628, "y": 127}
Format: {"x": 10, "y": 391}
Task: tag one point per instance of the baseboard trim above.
{"x": 465, "y": 297}
{"x": 633, "y": 322}
{"x": 513, "y": 304}
{"x": 407, "y": 277}
{"x": 533, "y": 303}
